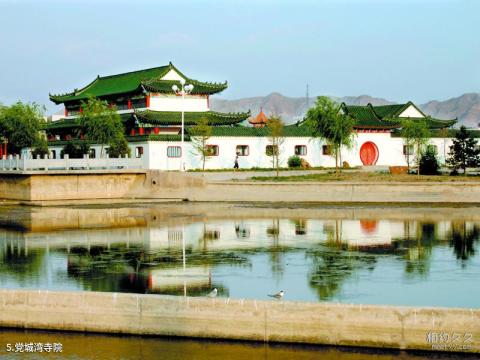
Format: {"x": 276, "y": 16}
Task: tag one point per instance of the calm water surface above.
{"x": 399, "y": 256}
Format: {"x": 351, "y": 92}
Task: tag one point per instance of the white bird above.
{"x": 213, "y": 293}
{"x": 278, "y": 295}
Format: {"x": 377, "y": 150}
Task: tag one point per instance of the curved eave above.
{"x": 191, "y": 118}
{"x": 199, "y": 88}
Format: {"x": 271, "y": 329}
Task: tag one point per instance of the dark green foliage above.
{"x": 75, "y": 149}
{"x": 118, "y": 148}
{"x": 429, "y": 162}
{"x": 464, "y": 151}
{"x": 41, "y": 148}
{"x": 101, "y": 123}
{"x": 20, "y": 125}
{"x": 294, "y": 161}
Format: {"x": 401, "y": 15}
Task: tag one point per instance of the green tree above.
{"x": 201, "y": 132}
{"x": 428, "y": 162}
{"x": 464, "y": 151}
{"x": 75, "y": 149}
{"x": 328, "y": 122}
{"x": 101, "y": 123}
{"x": 415, "y": 134}
{"x": 118, "y": 147}
{"x": 20, "y": 125}
{"x": 41, "y": 147}
{"x": 275, "y": 127}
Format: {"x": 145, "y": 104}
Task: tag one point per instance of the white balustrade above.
{"x": 16, "y": 163}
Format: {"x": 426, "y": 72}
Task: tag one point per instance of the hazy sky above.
{"x": 396, "y": 49}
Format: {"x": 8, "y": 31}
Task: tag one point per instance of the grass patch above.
{"x": 265, "y": 169}
{"x": 368, "y": 177}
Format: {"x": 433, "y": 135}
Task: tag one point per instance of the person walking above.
{"x": 235, "y": 165}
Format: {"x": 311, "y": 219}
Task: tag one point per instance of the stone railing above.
{"x": 15, "y": 163}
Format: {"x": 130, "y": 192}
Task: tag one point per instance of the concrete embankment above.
{"x": 266, "y": 321}
{"x": 55, "y": 187}
{"x": 343, "y": 192}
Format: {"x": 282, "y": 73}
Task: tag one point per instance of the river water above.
{"x": 423, "y": 256}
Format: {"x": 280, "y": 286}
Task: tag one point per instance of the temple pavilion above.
{"x": 151, "y": 113}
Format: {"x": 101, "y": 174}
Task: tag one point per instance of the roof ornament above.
{"x": 143, "y": 89}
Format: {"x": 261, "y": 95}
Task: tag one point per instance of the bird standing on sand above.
{"x": 213, "y": 293}
{"x": 278, "y": 295}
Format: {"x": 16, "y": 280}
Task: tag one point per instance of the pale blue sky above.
{"x": 397, "y": 49}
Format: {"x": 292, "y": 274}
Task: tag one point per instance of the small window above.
{"x": 212, "y": 150}
{"x": 139, "y": 151}
{"x": 243, "y": 150}
{"x": 300, "y": 150}
{"x": 92, "y": 153}
{"x": 174, "y": 151}
{"x": 139, "y": 103}
{"x": 327, "y": 149}
{"x": 407, "y": 149}
{"x": 53, "y": 154}
{"x": 271, "y": 150}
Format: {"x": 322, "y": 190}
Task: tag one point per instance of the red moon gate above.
{"x": 369, "y": 153}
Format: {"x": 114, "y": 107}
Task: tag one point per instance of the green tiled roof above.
{"x": 437, "y": 133}
{"x": 75, "y": 122}
{"x": 289, "y": 131}
{"x": 134, "y": 82}
{"x": 191, "y": 118}
{"x": 157, "y": 137}
{"x": 386, "y": 116}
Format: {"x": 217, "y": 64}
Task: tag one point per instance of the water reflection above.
{"x": 323, "y": 258}
{"x": 102, "y": 347}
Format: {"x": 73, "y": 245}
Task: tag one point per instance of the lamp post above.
{"x": 185, "y": 89}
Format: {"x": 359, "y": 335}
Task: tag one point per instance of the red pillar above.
{"x": 148, "y": 101}
{"x": 129, "y": 104}
{"x": 66, "y": 111}
{"x": 5, "y": 148}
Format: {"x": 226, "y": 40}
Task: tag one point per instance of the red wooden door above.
{"x": 369, "y": 153}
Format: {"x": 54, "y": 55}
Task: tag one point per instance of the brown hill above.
{"x": 466, "y": 107}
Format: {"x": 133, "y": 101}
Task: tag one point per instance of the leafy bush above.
{"x": 118, "y": 148}
{"x": 41, "y": 148}
{"x": 75, "y": 149}
{"x": 294, "y": 161}
{"x": 429, "y": 163}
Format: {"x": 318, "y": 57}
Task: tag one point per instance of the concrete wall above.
{"x": 58, "y": 185}
{"x": 266, "y": 321}
{"x": 339, "y": 192}
{"x": 51, "y": 186}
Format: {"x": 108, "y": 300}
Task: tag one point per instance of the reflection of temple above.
{"x": 229, "y": 234}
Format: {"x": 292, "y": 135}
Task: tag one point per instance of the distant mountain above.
{"x": 291, "y": 109}
{"x": 465, "y": 107}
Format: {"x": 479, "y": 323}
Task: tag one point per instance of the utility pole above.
{"x": 307, "y": 99}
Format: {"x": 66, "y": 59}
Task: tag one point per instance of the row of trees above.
{"x": 329, "y": 123}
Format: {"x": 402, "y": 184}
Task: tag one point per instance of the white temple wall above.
{"x": 390, "y": 152}
{"x": 167, "y": 102}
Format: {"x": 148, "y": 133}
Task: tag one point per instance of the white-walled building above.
{"x": 152, "y": 111}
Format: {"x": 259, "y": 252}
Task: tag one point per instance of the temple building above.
{"x": 260, "y": 120}
{"x": 151, "y": 112}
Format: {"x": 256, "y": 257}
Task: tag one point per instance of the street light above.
{"x": 185, "y": 89}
